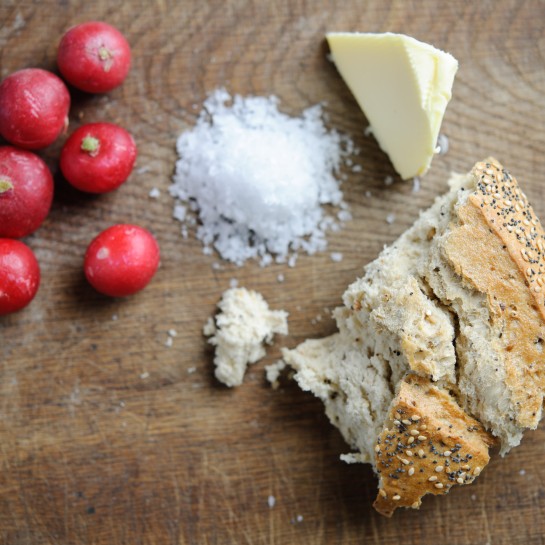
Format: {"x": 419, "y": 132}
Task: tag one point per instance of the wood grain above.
{"x": 92, "y": 452}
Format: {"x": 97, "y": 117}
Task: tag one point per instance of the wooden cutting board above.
{"x": 110, "y": 437}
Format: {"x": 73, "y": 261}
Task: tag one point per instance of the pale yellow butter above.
{"x": 403, "y": 86}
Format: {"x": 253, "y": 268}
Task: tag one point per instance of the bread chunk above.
{"x": 239, "y": 332}
{"x": 458, "y": 300}
{"x": 428, "y": 445}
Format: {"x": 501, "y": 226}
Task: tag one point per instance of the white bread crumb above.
{"x": 239, "y": 331}
{"x": 273, "y": 373}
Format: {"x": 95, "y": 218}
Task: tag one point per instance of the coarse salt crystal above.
{"x": 180, "y": 212}
{"x": 19, "y": 22}
{"x": 442, "y": 144}
{"x": 344, "y": 215}
{"x": 336, "y": 256}
{"x": 154, "y": 193}
{"x": 233, "y": 283}
{"x": 258, "y": 178}
{"x": 390, "y": 218}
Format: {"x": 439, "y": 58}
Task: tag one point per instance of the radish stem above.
{"x": 90, "y": 144}
{"x": 5, "y": 185}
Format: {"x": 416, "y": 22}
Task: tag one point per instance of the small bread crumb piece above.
{"x": 239, "y": 331}
{"x": 273, "y": 373}
{"x": 354, "y": 458}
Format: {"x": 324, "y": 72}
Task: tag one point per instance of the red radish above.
{"x": 34, "y": 108}
{"x": 121, "y": 260}
{"x": 94, "y": 57}
{"x": 26, "y": 192}
{"x": 98, "y": 157}
{"x": 19, "y": 275}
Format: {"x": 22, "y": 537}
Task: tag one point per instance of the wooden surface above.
{"x": 95, "y": 451}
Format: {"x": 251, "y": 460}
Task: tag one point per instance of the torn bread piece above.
{"x": 428, "y": 445}
{"x": 458, "y": 299}
{"x": 239, "y": 332}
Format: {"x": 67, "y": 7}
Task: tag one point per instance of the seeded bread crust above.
{"x": 428, "y": 445}
{"x": 498, "y": 247}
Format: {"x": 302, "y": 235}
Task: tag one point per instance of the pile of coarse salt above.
{"x": 256, "y": 179}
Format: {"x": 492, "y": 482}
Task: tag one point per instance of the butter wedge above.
{"x": 403, "y": 87}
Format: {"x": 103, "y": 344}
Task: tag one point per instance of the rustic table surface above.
{"x": 110, "y": 437}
